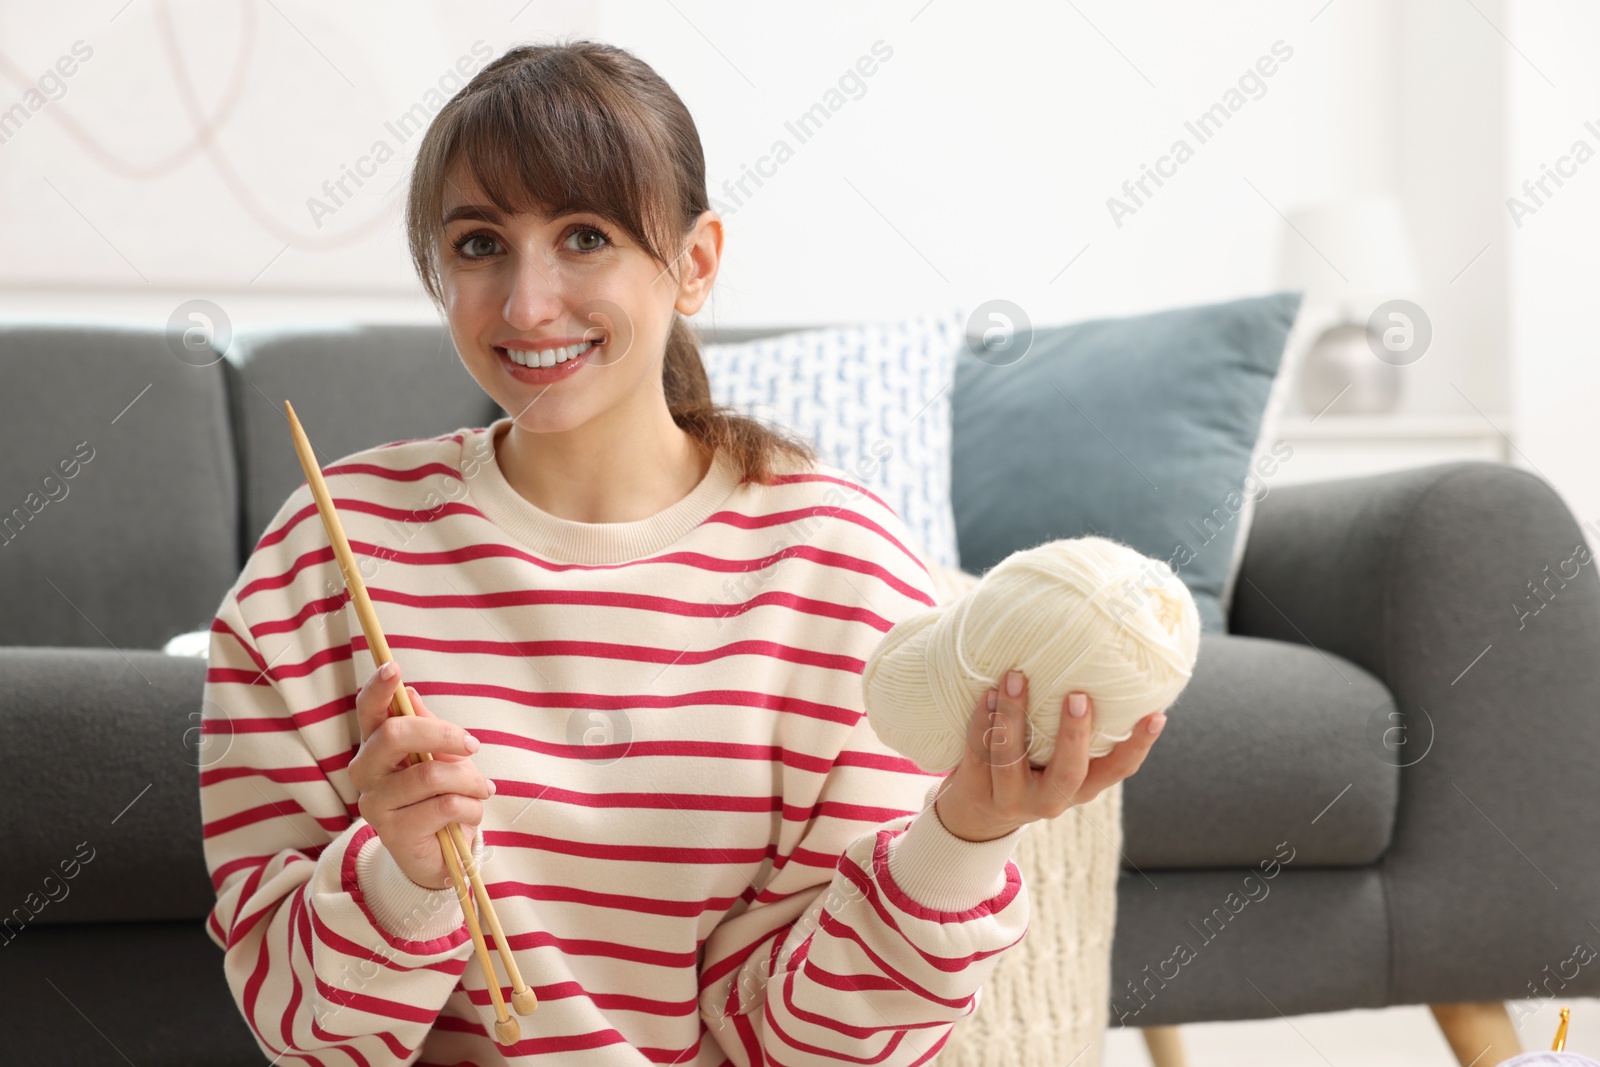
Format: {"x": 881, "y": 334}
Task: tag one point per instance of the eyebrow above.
{"x": 490, "y": 214}
{"x": 481, "y": 212}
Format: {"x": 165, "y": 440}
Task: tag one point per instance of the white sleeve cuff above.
{"x": 944, "y": 872}
{"x": 402, "y": 907}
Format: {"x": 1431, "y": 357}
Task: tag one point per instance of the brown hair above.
{"x": 587, "y": 126}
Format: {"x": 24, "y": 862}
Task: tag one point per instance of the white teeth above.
{"x": 549, "y": 357}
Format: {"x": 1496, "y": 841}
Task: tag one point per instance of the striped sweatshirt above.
{"x": 699, "y": 850}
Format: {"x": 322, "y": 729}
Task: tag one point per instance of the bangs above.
{"x": 550, "y": 141}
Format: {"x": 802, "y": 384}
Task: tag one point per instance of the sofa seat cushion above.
{"x": 154, "y": 992}
{"x": 106, "y": 758}
{"x": 1271, "y": 742}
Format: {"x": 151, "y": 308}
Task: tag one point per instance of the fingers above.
{"x": 459, "y": 789}
{"x": 978, "y": 738}
{"x": 420, "y": 821}
{"x": 1064, "y": 776}
{"x": 372, "y": 702}
{"x": 1126, "y": 757}
{"x": 400, "y": 735}
{"x": 1008, "y": 748}
{"x": 388, "y": 740}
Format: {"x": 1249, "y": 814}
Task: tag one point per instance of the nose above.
{"x": 534, "y": 296}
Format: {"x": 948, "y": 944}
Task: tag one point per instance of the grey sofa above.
{"x": 1307, "y": 859}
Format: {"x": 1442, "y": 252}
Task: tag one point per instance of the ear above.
{"x": 700, "y": 260}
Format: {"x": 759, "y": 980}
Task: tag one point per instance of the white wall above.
{"x": 977, "y": 163}
{"x": 1555, "y": 263}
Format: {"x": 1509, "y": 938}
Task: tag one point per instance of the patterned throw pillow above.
{"x": 875, "y": 401}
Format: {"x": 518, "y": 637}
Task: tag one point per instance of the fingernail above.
{"x": 1014, "y": 683}
{"x": 1077, "y": 705}
{"x": 1156, "y": 724}
{"x": 387, "y": 671}
{"x": 472, "y": 743}
{"x": 993, "y": 699}
{"x": 491, "y": 787}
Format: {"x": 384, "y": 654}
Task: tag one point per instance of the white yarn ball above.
{"x": 1549, "y": 1059}
{"x": 1085, "y": 614}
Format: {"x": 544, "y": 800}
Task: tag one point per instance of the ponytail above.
{"x": 753, "y": 446}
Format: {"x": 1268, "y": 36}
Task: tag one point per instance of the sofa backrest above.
{"x": 118, "y": 487}
{"x": 353, "y": 387}
{"x": 139, "y": 477}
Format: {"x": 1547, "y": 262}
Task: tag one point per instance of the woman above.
{"x": 698, "y": 848}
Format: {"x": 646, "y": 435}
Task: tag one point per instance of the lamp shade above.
{"x": 1352, "y": 247}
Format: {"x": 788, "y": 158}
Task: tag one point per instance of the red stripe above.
{"x": 213, "y": 775}
{"x": 818, "y": 476}
{"x": 714, "y": 972}
{"x": 261, "y": 813}
{"x": 759, "y": 522}
{"x": 626, "y": 902}
{"x": 828, "y": 1023}
{"x": 373, "y": 1005}
{"x": 847, "y": 983}
{"x": 661, "y": 800}
{"x": 237, "y": 676}
{"x": 312, "y": 609}
{"x": 752, "y": 1044}
{"x": 221, "y": 873}
{"x": 581, "y": 946}
{"x": 299, "y": 720}
{"x": 397, "y": 1048}
{"x": 605, "y": 650}
{"x": 732, "y": 698}
{"x": 516, "y": 598}
{"x": 397, "y": 474}
{"x": 951, "y": 964}
{"x": 853, "y": 1033}
{"x": 698, "y": 750}
{"x": 339, "y": 943}
{"x": 533, "y": 1046}
{"x": 351, "y": 884}
{"x": 286, "y": 1021}
{"x": 489, "y": 550}
{"x": 668, "y": 1009}
{"x": 457, "y": 437}
{"x": 252, "y": 992}
{"x": 567, "y": 701}
{"x": 883, "y": 877}
{"x": 242, "y": 927}
{"x": 346, "y": 1043}
{"x": 631, "y": 853}
{"x": 220, "y": 626}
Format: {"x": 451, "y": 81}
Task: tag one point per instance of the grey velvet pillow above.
{"x": 1146, "y": 429}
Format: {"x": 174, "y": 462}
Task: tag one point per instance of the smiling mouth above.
{"x": 550, "y": 357}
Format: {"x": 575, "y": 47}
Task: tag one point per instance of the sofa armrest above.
{"x": 1469, "y": 590}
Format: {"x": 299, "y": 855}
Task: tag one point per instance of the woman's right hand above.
{"x": 407, "y": 804}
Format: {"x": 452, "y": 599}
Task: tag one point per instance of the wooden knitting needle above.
{"x": 453, "y": 842}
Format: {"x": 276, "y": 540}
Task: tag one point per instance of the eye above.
{"x": 464, "y": 246}
{"x": 583, "y": 230}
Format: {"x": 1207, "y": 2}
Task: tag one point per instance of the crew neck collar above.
{"x": 568, "y": 541}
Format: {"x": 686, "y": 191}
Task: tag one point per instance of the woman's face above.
{"x": 526, "y": 285}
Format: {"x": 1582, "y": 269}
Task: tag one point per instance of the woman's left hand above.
{"x": 995, "y": 789}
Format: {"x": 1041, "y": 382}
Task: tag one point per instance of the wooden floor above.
{"x": 1393, "y": 1037}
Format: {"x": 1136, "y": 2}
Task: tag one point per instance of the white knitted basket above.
{"x": 1047, "y": 1002}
